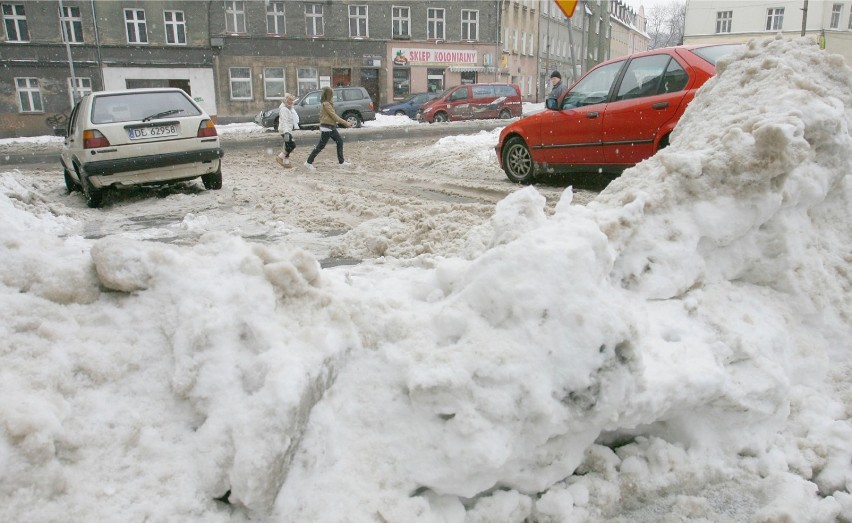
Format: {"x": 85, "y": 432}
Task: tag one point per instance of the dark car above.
{"x": 353, "y": 104}
{"x": 618, "y": 114}
{"x": 410, "y": 105}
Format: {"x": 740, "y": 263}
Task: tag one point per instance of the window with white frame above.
{"x": 469, "y": 24}
{"x": 515, "y": 41}
{"x": 532, "y": 44}
{"x": 137, "y": 28}
{"x": 71, "y": 24}
{"x": 84, "y": 87}
{"x": 15, "y": 21}
{"x": 524, "y": 43}
{"x": 435, "y": 24}
{"x": 308, "y": 79}
{"x": 723, "y": 21}
{"x": 401, "y": 20}
{"x": 240, "y": 83}
{"x": 175, "y": 24}
{"x": 506, "y": 41}
{"x": 836, "y": 9}
{"x": 275, "y": 19}
{"x": 313, "y": 20}
{"x": 273, "y": 83}
{"x": 235, "y": 16}
{"x": 774, "y": 18}
{"x": 358, "y": 21}
{"x": 29, "y": 95}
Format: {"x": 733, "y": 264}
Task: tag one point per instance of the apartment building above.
{"x": 829, "y": 22}
{"x": 628, "y": 30}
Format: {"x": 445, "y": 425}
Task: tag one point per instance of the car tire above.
{"x": 94, "y": 197}
{"x": 354, "y": 119}
{"x": 505, "y": 114}
{"x": 213, "y": 180}
{"x": 399, "y": 113}
{"x": 70, "y": 184}
{"x": 441, "y": 117}
{"x": 517, "y": 161}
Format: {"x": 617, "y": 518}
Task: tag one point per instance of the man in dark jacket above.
{"x": 558, "y": 88}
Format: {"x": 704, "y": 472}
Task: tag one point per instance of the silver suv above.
{"x": 353, "y": 104}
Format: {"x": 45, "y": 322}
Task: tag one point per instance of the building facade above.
{"x": 829, "y": 22}
{"x": 628, "y": 30}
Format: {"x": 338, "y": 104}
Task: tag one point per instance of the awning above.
{"x": 467, "y": 69}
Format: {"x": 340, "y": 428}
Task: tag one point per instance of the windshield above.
{"x": 713, "y": 52}
{"x": 135, "y": 105}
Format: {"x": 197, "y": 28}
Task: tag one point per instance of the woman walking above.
{"x": 328, "y": 129}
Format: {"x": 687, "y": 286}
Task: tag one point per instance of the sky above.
{"x": 677, "y": 349}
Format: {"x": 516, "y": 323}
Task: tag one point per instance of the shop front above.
{"x": 432, "y": 69}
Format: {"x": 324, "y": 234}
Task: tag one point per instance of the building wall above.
{"x": 519, "y": 59}
{"x": 748, "y": 21}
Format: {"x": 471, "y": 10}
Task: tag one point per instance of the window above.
{"x": 401, "y": 17}
{"x": 723, "y": 21}
{"x": 137, "y": 30}
{"x": 435, "y": 24}
{"x": 506, "y": 41}
{"x": 850, "y": 18}
{"x": 524, "y": 42}
{"x": 84, "y": 87}
{"x": 175, "y": 24}
{"x": 468, "y": 77}
{"x": 774, "y": 18}
{"x": 235, "y": 16}
{"x": 643, "y": 77}
{"x": 434, "y": 80}
{"x": 308, "y": 78}
{"x": 358, "y": 21}
{"x": 71, "y": 25}
{"x": 15, "y": 20}
{"x": 469, "y": 25}
{"x": 29, "y": 95}
{"x": 273, "y": 83}
{"x": 313, "y": 20}
{"x": 240, "y": 83}
{"x": 835, "y": 16}
{"x": 594, "y": 88}
{"x": 275, "y": 20}
{"x": 515, "y": 41}
{"x": 401, "y": 82}
{"x": 532, "y": 45}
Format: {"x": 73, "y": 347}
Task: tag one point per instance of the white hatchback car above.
{"x": 136, "y": 137}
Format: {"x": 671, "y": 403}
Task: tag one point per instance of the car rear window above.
{"x": 135, "y": 106}
{"x": 714, "y": 52}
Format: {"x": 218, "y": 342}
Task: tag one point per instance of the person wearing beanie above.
{"x": 557, "y": 87}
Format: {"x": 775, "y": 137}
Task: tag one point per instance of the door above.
{"x": 648, "y": 97}
{"x": 370, "y": 82}
{"x": 572, "y": 134}
{"x": 482, "y": 104}
{"x": 309, "y": 109}
{"x": 458, "y": 104}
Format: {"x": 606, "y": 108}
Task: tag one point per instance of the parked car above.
{"x": 410, "y": 105}
{"x": 353, "y": 104}
{"x": 136, "y": 137}
{"x": 616, "y": 115}
{"x": 473, "y": 102}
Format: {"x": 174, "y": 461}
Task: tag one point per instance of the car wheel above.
{"x": 505, "y": 114}
{"x": 213, "y": 180}
{"x": 70, "y": 184}
{"x": 94, "y": 196}
{"x": 517, "y": 161}
{"x": 353, "y": 119}
{"x": 399, "y": 113}
{"x": 441, "y": 117}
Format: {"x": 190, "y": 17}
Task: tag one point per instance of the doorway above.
{"x": 370, "y": 82}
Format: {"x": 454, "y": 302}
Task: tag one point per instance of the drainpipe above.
{"x": 75, "y": 92}
{"x": 804, "y": 17}
{"x": 98, "y": 45}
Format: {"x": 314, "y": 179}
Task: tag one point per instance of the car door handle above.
{"x": 660, "y": 105}
{"x": 593, "y": 114}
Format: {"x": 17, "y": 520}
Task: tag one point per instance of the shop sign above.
{"x": 403, "y": 56}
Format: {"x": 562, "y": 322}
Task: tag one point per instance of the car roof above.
{"x": 687, "y": 47}
{"x": 141, "y": 90}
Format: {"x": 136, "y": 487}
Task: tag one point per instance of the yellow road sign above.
{"x": 567, "y": 6}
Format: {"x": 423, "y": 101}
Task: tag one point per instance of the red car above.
{"x": 615, "y": 116}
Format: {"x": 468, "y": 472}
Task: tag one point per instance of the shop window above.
{"x": 401, "y": 83}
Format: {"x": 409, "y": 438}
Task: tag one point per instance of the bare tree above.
{"x": 665, "y": 24}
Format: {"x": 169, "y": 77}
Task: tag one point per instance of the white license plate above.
{"x": 140, "y": 133}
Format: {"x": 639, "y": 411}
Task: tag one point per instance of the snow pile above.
{"x": 678, "y": 348}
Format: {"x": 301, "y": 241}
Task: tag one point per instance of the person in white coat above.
{"x": 288, "y": 121}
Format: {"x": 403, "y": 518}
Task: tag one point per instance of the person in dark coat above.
{"x": 558, "y": 88}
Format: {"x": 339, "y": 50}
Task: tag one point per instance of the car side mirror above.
{"x": 552, "y": 103}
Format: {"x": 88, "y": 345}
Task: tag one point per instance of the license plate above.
{"x": 140, "y": 133}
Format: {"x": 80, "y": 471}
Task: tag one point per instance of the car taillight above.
{"x": 93, "y": 139}
{"x": 206, "y": 129}
{"x": 371, "y": 106}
